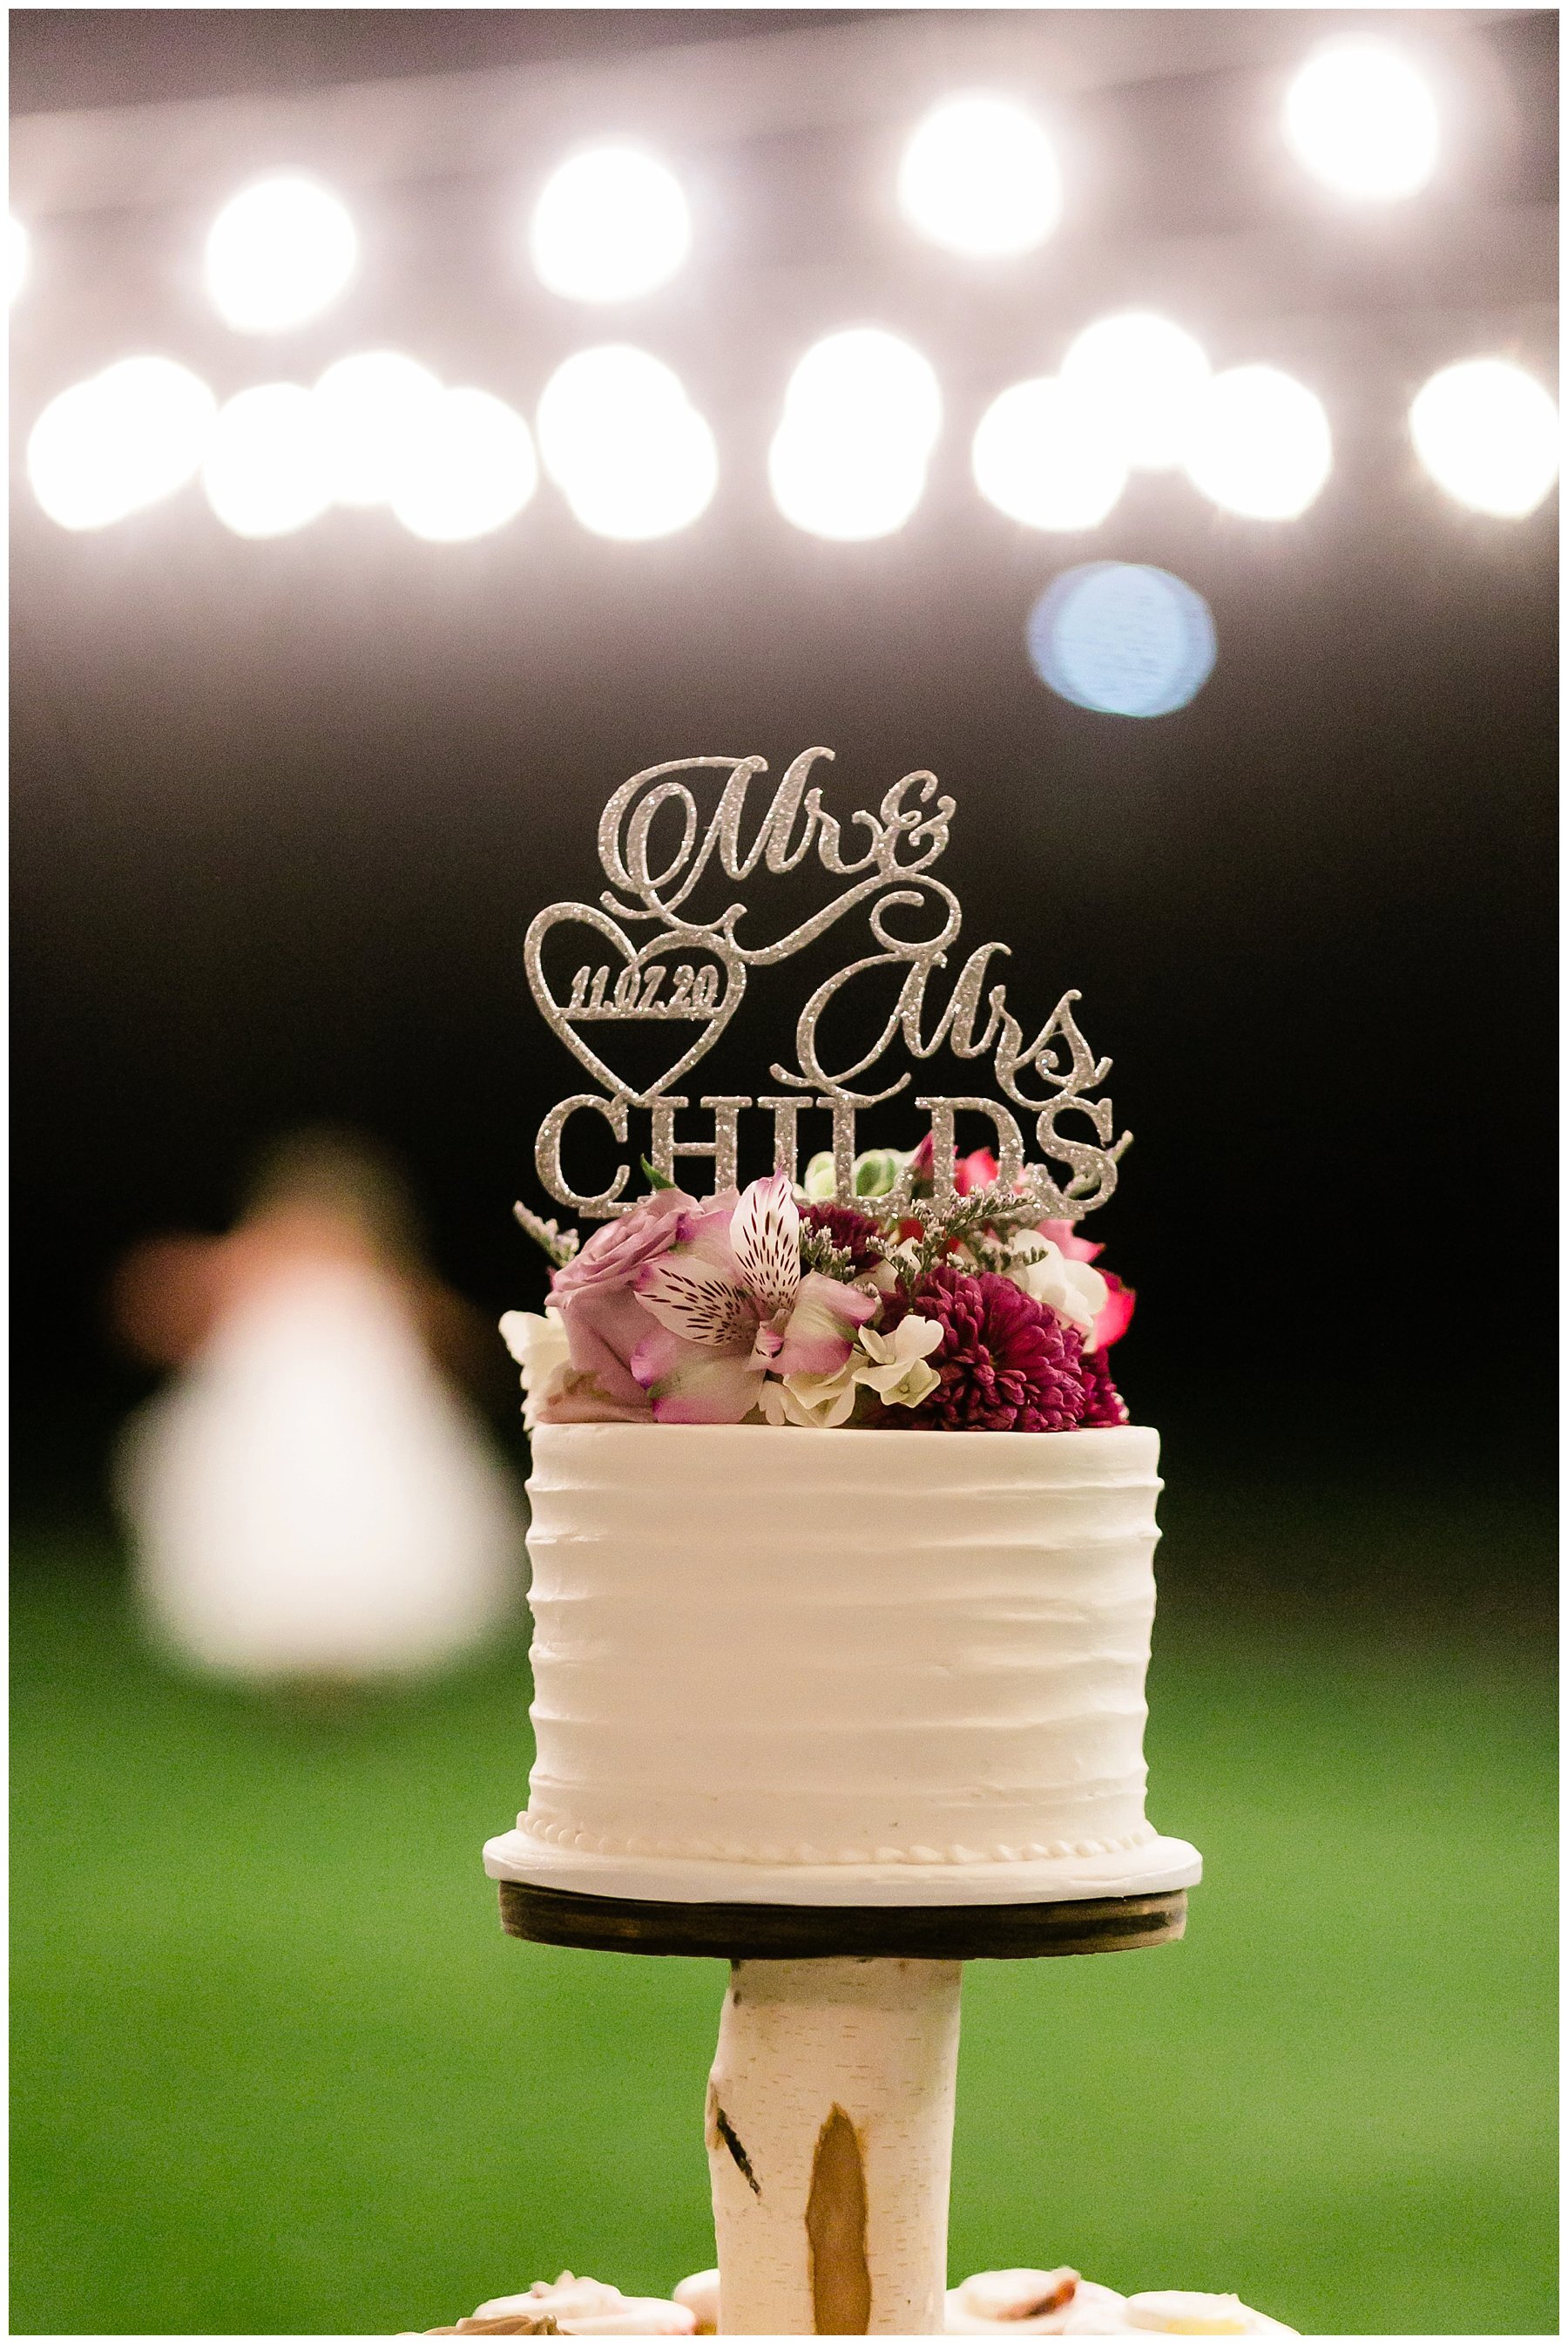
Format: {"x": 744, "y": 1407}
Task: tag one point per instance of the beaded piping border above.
{"x": 731, "y": 1852}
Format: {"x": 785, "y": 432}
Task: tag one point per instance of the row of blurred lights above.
{"x": 978, "y": 175}
{"x": 616, "y": 434}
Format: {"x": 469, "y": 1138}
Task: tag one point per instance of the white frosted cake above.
{"x": 825, "y": 1667}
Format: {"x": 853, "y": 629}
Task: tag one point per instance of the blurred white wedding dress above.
{"x": 309, "y": 1499}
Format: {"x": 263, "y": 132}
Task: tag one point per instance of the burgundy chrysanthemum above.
{"x": 853, "y": 1232}
{"x": 1103, "y": 1404}
{"x": 1007, "y": 1363}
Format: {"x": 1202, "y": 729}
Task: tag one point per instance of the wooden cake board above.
{"x": 763, "y": 1933}
{"x": 829, "y": 2119}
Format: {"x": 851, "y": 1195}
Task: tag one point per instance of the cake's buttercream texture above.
{"x": 791, "y": 1647}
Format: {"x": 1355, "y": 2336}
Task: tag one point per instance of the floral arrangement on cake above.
{"x": 774, "y": 1305}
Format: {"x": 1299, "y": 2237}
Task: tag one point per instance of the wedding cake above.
{"x": 842, "y": 1658}
{"x": 822, "y": 1667}
{"x": 842, "y": 1539}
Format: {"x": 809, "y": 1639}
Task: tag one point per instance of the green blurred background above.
{"x": 276, "y": 2069}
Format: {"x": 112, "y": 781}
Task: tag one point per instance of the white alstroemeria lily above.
{"x": 1073, "y": 1289}
{"x": 539, "y": 1345}
{"x": 732, "y": 1306}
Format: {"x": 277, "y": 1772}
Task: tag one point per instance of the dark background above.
{"x": 282, "y": 811}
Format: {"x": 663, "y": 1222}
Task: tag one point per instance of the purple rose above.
{"x": 604, "y": 1321}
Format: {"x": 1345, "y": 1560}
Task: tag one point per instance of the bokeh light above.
{"x": 850, "y": 487}
{"x": 979, "y": 176}
{"x": 1488, "y": 433}
{"x": 862, "y": 411}
{"x": 1145, "y": 378}
{"x": 1363, "y": 120}
{"x": 278, "y": 253}
{"x": 465, "y": 469}
{"x": 865, "y": 378}
{"x": 1260, "y": 443}
{"x": 1047, "y": 456}
{"x": 20, "y": 256}
{"x": 612, "y": 223}
{"x": 266, "y": 473}
{"x": 370, "y": 409}
{"x": 594, "y": 392}
{"x": 625, "y": 446}
{"x": 1122, "y": 637}
{"x": 118, "y": 442}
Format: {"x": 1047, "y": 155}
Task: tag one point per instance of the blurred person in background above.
{"x": 312, "y": 1503}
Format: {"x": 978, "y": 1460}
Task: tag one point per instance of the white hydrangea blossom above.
{"x": 899, "y": 1372}
{"x": 815, "y": 1403}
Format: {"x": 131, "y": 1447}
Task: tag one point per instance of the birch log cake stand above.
{"x": 834, "y": 2081}
{"x": 889, "y": 1687}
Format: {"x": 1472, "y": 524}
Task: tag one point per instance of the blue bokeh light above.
{"x": 1122, "y": 637}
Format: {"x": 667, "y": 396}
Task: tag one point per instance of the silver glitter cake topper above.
{"x": 691, "y": 971}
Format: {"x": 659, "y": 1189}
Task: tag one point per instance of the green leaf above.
{"x": 656, "y": 1180}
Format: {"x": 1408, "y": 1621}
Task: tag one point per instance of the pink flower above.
{"x": 1005, "y": 1362}
{"x": 1117, "y": 1316}
{"x": 618, "y": 1249}
{"x": 603, "y": 1318}
{"x": 976, "y": 1171}
{"x": 731, "y": 1303}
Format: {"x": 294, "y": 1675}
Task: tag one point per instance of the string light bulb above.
{"x": 1259, "y": 444}
{"x": 979, "y": 175}
{"x": 119, "y": 443}
{"x": 612, "y": 223}
{"x": 1488, "y": 434}
{"x": 862, "y": 411}
{"x": 278, "y": 253}
{"x": 1362, "y": 119}
{"x": 1045, "y": 455}
{"x": 371, "y": 411}
{"x": 467, "y": 467}
{"x": 1144, "y": 377}
{"x": 624, "y": 444}
{"x": 266, "y": 473}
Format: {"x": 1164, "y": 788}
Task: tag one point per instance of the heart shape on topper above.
{"x": 562, "y": 1016}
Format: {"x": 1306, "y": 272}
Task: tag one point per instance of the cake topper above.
{"x": 692, "y": 973}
